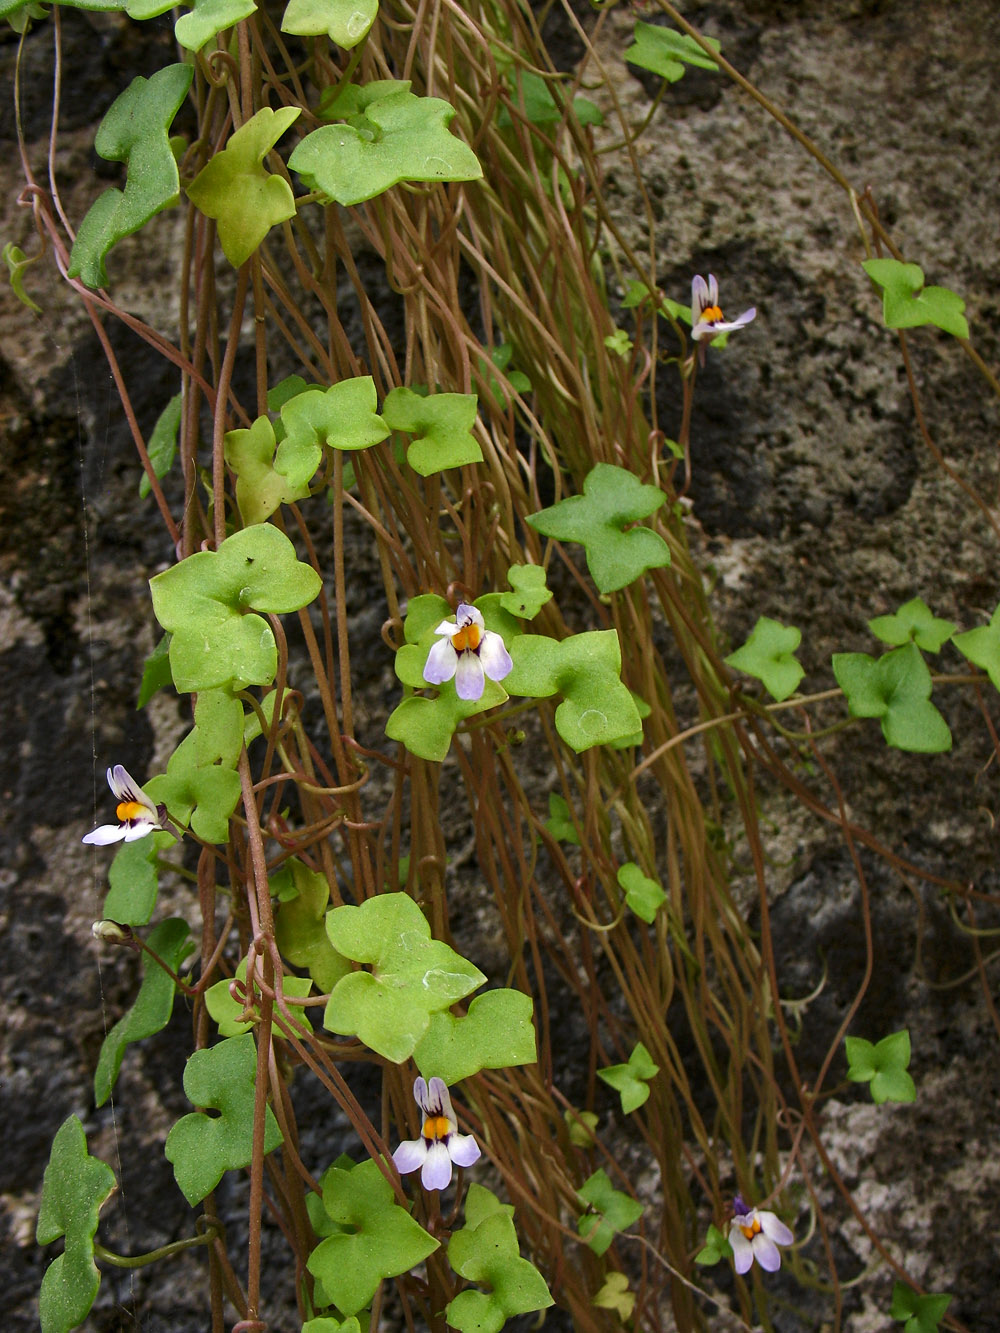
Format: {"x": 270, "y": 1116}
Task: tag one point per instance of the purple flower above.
{"x": 137, "y": 815}
{"x": 706, "y": 314}
{"x": 755, "y": 1233}
{"x": 469, "y": 652}
{"x": 438, "y": 1146}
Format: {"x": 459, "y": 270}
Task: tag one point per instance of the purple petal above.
{"x": 125, "y": 786}
{"x": 105, "y": 834}
{"x": 468, "y": 615}
{"x": 436, "y": 1172}
{"x": 494, "y": 657}
{"x": 469, "y": 678}
{"x": 441, "y": 664}
{"x": 463, "y": 1149}
{"x": 713, "y": 290}
{"x": 742, "y": 1250}
{"x": 420, "y": 1094}
{"x": 410, "y": 1156}
{"x": 772, "y": 1226}
{"x": 438, "y": 1100}
{"x": 139, "y": 828}
{"x": 699, "y": 297}
{"x": 746, "y": 317}
{"x": 766, "y": 1253}
{"x": 448, "y": 627}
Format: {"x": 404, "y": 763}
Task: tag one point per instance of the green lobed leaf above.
{"x": 383, "y": 1240}
{"x": 342, "y": 416}
{"x": 346, "y": 22}
{"x": 895, "y": 688}
{"x": 234, "y": 188}
{"x": 530, "y": 593}
{"x": 300, "y": 924}
{"x": 487, "y": 1253}
{"x": 615, "y": 1295}
{"x": 906, "y": 302}
{"x": 769, "y": 656}
{"x": 609, "y": 1211}
{"x": 324, "y": 1324}
{"x": 201, "y": 1147}
{"x": 560, "y": 821}
{"x": 17, "y": 261}
{"x": 134, "y": 879}
{"x": 152, "y": 1007}
{"x": 532, "y": 96}
{"x": 225, "y": 1011}
{"x": 665, "y": 52}
{"x": 218, "y": 729}
{"x": 207, "y": 19}
{"x": 205, "y": 602}
{"x": 597, "y": 709}
{"x": 922, "y": 1314}
{"x": 134, "y": 131}
{"x": 403, "y": 137}
{"x": 644, "y": 896}
{"x": 201, "y": 796}
{"x": 412, "y": 976}
{"x": 601, "y": 518}
{"x": 914, "y": 622}
{"x": 497, "y": 1033}
{"x": 716, "y": 1247}
{"x": 162, "y": 443}
{"x": 74, "y": 1188}
{"x": 351, "y": 100}
{"x": 631, "y": 1081}
{"x": 982, "y": 647}
{"x": 441, "y": 424}
{"x": 260, "y": 487}
{"x": 883, "y": 1065}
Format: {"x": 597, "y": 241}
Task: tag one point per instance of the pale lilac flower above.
{"x": 469, "y": 652}
{"x": 707, "y": 321}
{"x": 438, "y": 1146}
{"x": 137, "y": 815}
{"x": 754, "y": 1233}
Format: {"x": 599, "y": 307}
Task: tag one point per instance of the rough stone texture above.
{"x": 815, "y": 502}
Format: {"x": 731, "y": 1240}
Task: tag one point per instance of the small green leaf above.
{"x": 233, "y": 186}
{"x": 487, "y": 1253}
{"x": 883, "y": 1065}
{"x": 380, "y": 1238}
{"x": 601, "y": 518}
{"x": 665, "y": 52}
{"x": 225, "y": 1011}
{"x": 17, "y": 261}
{"x": 906, "y": 302}
{"x": 442, "y": 424}
{"x": 895, "y": 688}
{"x": 300, "y": 924}
{"x": 402, "y": 138}
{"x": 533, "y": 97}
{"x": 260, "y": 487}
{"x": 530, "y": 593}
{"x": 643, "y": 895}
{"x": 619, "y": 342}
{"x": 982, "y": 647}
{"x": 346, "y": 22}
{"x": 496, "y": 1033}
{"x": 326, "y": 1325}
{"x": 352, "y": 100}
{"x": 342, "y": 416}
{"x": 203, "y": 1147}
{"x": 631, "y": 1081}
{"x": 153, "y": 1005}
{"x": 412, "y": 976}
{"x": 207, "y": 19}
{"x": 914, "y": 621}
{"x": 769, "y": 656}
{"x": 74, "y": 1188}
{"x": 615, "y": 1295}
{"x": 155, "y": 672}
{"x": 205, "y": 602}
{"x": 560, "y": 821}
{"x": 609, "y": 1211}
{"x": 581, "y": 1126}
{"x": 134, "y": 131}
{"x": 162, "y": 443}
{"x": 922, "y": 1314}
{"x": 134, "y": 878}
{"x": 202, "y": 796}
{"x": 716, "y": 1247}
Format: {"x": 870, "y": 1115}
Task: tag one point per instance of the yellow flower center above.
{"x": 753, "y": 1230}
{"x": 436, "y": 1127}
{"x": 130, "y": 810}
{"x": 712, "y": 313}
{"x": 468, "y": 636}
